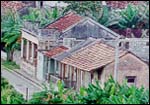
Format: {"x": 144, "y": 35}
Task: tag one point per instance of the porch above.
{"x": 55, "y": 71}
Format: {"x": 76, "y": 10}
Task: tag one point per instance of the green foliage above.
{"x": 10, "y": 65}
{"x": 129, "y": 17}
{"x": 11, "y": 32}
{"x": 111, "y": 93}
{"x": 41, "y": 15}
{"x": 9, "y": 94}
{"x": 85, "y": 8}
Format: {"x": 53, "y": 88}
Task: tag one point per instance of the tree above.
{"x": 11, "y": 33}
{"x": 94, "y": 10}
{"x": 85, "y": 8}
{"x": 129, "y": 17}
{"x": 43, "y": 15}
{"x": 9, "y": 95}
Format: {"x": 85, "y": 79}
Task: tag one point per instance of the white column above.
{"x": 62, "y": 70}
{"x": 49, "y": 66}
{"x": 55, "y": 67}
{"x": 22, "y": 46}
{"x": 27, "y": 56}
{"x": 32, "y": 53}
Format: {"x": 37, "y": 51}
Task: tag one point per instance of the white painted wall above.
{"x": 3, "y": 55}
{"x": 40, "y": 66}
{"x": 30, "y": 37}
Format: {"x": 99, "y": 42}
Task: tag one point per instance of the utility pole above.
{"x": 116, "y": 60}
{"x": 27, "y": 93}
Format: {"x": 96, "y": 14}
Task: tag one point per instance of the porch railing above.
{"x": 40, "y": 32}
{"x": 54, "y": 78}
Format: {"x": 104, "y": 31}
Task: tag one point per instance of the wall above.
{"x": 17, "y": 57}
{"x": 129, "y": 66}
{"x": 3, "y": 55}
{"x": 85, "y": 30}
{"x": 140, "y": 49}
{"x": 87, "y": 78}
{"x": 40, "y": 66}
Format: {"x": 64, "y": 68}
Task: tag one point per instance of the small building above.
{"x": 67, "y": 30}
{"x": 95, "y": 61}
{"x": 14, "y": 6}
{"x": 46, "y": 65}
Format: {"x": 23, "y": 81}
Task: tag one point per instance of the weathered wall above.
{"x": 85, "y": 30}
{"x": 140, "y": 49}
{"x": 87, "y": 78}
{"x": 129, "y": 66}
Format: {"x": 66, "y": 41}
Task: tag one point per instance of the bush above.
{"x": 112, "y": 93}
{"x": 9, "y": 95}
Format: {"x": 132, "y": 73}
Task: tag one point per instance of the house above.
{"x": 48, "y": 61}
{"x": 12, "y": 5}
{"x": 15, "y": 6}
{"x": 120, "y": 4}
{"x": 95, "y": 61}
{"x": 68, "y": 30}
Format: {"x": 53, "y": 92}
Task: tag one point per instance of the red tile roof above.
{"x": 92, "y": 56}
{"x": 55, "y": 51}
{"x": 121, "y": 4}
{"x": 66, "y": 21}
{"x": 14, "y": 5}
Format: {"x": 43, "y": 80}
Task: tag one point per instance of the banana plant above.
{"x": 143, "y": 16}
{"x": 129, "y": 17}
{"x": 11, "y": 32}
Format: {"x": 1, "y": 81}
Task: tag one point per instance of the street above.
{"x": 19, "y": 83}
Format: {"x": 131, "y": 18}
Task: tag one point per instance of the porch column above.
{"x": 55, "y": 67}
{"x": 32, "y": 53}
{"x": 27, "y": 57}
{"x": 62, "y": 71}
{"x": 48, "y": 68}
{"x": 22, "y": 45}
{"x": 59, "y": 68}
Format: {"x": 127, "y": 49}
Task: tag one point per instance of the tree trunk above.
{"x": 10, "y": 55}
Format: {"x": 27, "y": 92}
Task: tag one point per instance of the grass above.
{"x": 10, "y": 65}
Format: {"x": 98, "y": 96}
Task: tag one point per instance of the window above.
{"x": 41, "y": 3}
{"x": 127, "y": 45}
{"x": 92, "y": 76}
{"x": 131, "y": 80}
{"x": 120, "y": 44}
{"x": 99, "y": 71}
{"x": 147, "y": 43}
